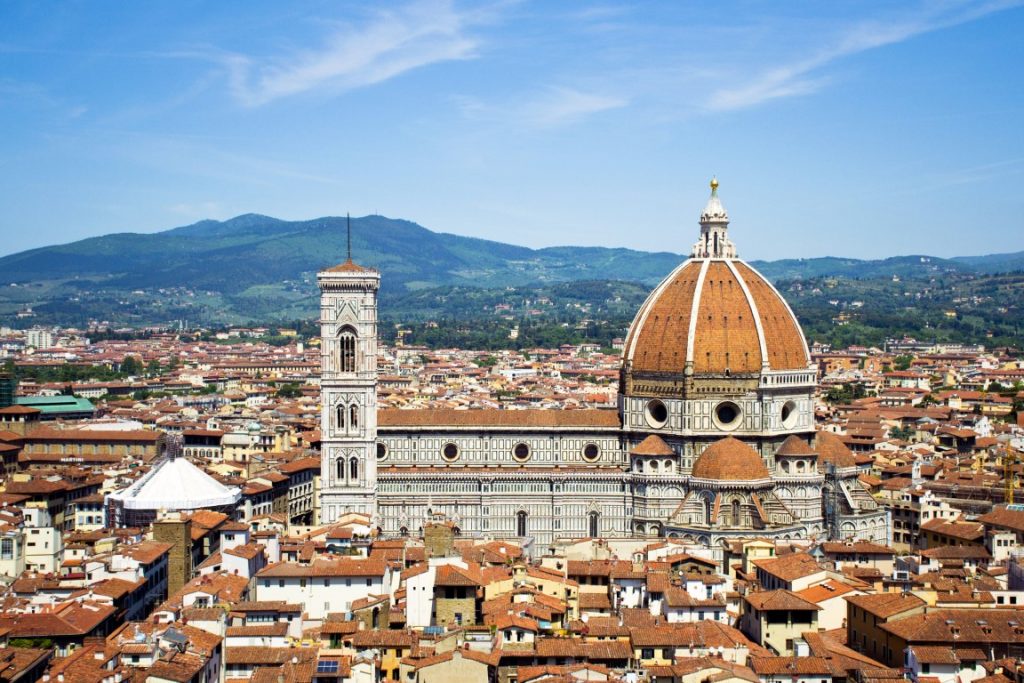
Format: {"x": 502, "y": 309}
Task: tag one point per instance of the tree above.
{"x": 901, "y": 433}
{"x": 153, "y": 368}
{"x": 131, "y": 365}
{"x": 289, "y": 390}
{"x": 902, "y": 362}
{"x": 36, "y": 643}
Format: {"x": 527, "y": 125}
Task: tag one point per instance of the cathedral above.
{"x": 713, "y": 439}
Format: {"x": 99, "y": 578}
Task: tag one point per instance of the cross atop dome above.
{"x": 714, "y": 240}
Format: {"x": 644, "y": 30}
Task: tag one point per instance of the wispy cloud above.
{"x": 392, "y": 43}
{"x": 548, "y": 108}
{"x": 559, "y": 106}
{"x": 801, "y": 77}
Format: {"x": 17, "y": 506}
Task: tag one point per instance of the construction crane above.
{"x": 1010, "y": 458}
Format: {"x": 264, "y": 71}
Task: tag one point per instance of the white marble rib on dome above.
{"x": 177, "y": 484}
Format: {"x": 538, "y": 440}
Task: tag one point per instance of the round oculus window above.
{"x": 727, "y": 415}
{"x": 656, "y": 413}
{"x": 450, "y": 452}
{"x": 382, "y": 451}
{"x": 521, "y": 452}
{"x": 789, "y": 414}
{"x": 591, "y": 452}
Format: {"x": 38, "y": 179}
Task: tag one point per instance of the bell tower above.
{"x": 348, "y": 390}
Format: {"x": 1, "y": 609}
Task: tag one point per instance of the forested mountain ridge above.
{"x": 259, "y": 268}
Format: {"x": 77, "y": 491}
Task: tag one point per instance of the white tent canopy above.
{"x": 176, "y": 484}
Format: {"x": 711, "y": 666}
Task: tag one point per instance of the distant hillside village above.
{"x": 161, "y": 521}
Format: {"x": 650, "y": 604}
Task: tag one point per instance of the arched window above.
{"x": 353, "y": 416}
{"x": 347, "y": 342}
{"x": 403, "y": 531}
{"x": 339, "y": 418}
{"x": 735, "y": 512}
{"x": 707, "y": 511}
{"x": 592, "y": 524}
{"x": 520, "y": 523}
{"x": 353, "y": 470}
{"x": 340, "y": 468}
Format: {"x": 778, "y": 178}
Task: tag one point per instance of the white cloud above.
{"x": 394, "y": 42}
{"x": 551, "y": 107}
{"x": 797, "y": 78}
{"x": 566, "y": 105}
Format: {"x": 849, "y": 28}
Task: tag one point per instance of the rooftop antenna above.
{"x": 348, "y": 224}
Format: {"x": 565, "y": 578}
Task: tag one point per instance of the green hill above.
{"x": 259, "y": 268}
{"x": 249, "y": 250}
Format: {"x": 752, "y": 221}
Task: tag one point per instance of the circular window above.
{"x": 382, "y": 451}
{"x": 657, "y": 413}
{"x": 521, "y": 452}
{"x": 727, "y": 415}
{"x": 789, "y": 414}
{"x": 450, "y": 452}
{"x": 591, "y": 452}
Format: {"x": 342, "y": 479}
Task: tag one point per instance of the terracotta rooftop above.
{"x": 349, "y": 266}
{"x": 653, "y": 445}
{"x": 943, "y": 626}
{"x": 886, "y": 605}
{"x": 769, "y": 601}
{"x": 789, "y": 567}
{"x": 325, "y": 568}
{"x": 794, "y": 445}
{"x": 832, "y": 450}
{"x": 729, "y": 459}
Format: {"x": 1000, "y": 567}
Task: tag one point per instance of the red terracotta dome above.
{"x": 719, "y": 315}
{"x": 715, "y": 314}
{"x": 729, "y": 459}
{"x": 832, "y": 450}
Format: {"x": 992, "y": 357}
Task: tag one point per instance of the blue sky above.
{"x": 836, "y": 128}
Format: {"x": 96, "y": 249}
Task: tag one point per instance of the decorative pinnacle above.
{"x": 714, "y": 184}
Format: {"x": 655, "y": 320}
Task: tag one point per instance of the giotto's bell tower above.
{"x": 348, "y": 386}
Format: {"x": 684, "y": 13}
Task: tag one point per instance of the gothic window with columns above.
{"x": 339, "y": 421}
{"x": 353, "y": 470}
{"x": 353, "y": 420}
{"x": 347, "y": 347}
{"x": 340, "y": 468}
{"x": 592, "y": 524}
{"x": 521, "y": 523}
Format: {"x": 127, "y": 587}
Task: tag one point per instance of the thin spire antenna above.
{"x": 348, "y": 225}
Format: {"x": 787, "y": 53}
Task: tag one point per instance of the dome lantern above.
{"x": 714, "y": 239}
